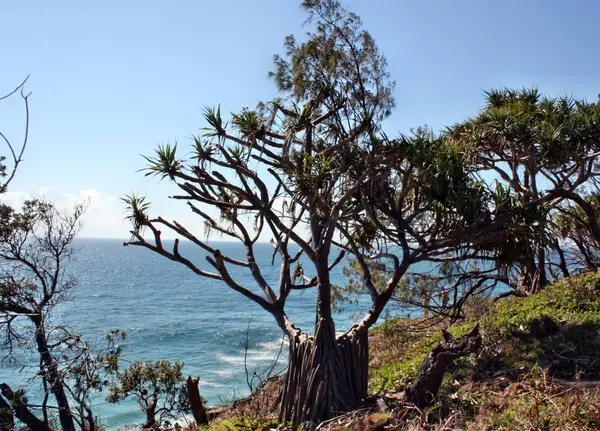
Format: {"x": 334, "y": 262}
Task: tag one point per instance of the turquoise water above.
{"x": 170, "y": 313}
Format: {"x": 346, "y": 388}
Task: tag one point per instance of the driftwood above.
{"x": 432, "y": 371}
{"x": 21, "y": 411}
{"x": 198, "y": 410}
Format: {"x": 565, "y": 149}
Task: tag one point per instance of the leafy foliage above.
{"x": 573, "y": 304}
{"x": 137, "y": 207}
{"x": 158, "y": 387}
{"x": 164, "y": 163}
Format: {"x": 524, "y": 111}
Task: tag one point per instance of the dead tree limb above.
{"x": 198, "y": 410}
{"x": 432, "y": 371}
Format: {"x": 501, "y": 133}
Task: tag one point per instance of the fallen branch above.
{"x": 432, "y": 371}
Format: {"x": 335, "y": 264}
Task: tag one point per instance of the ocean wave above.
{"x": 275, "y": 345}
{"x": 231, "y": 359}
{"x": 225, "y": 373}
{"x": 211, "y": 384}
{"x": 253, "y": 357}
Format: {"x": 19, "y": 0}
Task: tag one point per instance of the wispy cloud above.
{"x": 104, "y": 217}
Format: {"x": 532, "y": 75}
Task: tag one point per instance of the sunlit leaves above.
{"x": 213, "y": 117}
{"x": 247, "y": 122}
{"x": 523, "y": 123}
{"x": 164, "y": 163}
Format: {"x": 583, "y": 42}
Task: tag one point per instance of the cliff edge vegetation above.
{"x": 538, "y": 369}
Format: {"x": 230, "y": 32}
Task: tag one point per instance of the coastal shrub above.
{"x": 572, "y": 300}
{"x": 573, "y": 304}
{"x": 158, "y": 387}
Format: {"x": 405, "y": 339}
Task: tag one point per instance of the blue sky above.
{"x": 111, "y": 79}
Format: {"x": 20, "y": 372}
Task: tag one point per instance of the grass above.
{"x": 573, "y": 305}
{"x": 398, "y": 348}
{"x": 538, "y": 369}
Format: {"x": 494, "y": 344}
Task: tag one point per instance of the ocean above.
{"x": 170, "y": 313}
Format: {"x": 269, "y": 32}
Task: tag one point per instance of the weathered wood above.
{"x": 198, "y": 410}
{"x": 432, "y": 371}
{"x": 324, "y": 379}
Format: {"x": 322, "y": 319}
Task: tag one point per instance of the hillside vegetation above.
{"x": 538, "y": 368}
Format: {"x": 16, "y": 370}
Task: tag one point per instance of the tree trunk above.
{"x": 325, "y": 376}
{"x": 21, "y": 410}
{"x": 542, "y": 278}
{"x": 532, "y": 278}
{"x": 198, "y": 410}
{"x": 562, "y": 262}
{"x": 52, "y": 375}
{"x": 7, "y": 420}
{"x": 432, "y": 371}
{"x": 150, "y": 411}
{"x": 90, "y": 421}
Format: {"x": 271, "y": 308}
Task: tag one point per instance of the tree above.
{"x": 16, "y": 151}
{"x": 8, "y": 173}
{"x": 582, "y": 251}
{"x": 32, "y": 245}
{"x": 35, "y": 245}
{"x": 315, "y": 171}
{"x": 538, "y": 154}
{"x": 158, "y": 387}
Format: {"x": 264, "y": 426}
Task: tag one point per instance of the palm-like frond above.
{"x": 213, "y": 117}
{"x": 203, "y": 151}
{"x": 164, "y": 163}
{"x": 238, "y": 153}
{"x": 247, "y": 122}
{"x": 137, "y": 211}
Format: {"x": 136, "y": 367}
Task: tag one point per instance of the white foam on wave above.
{"x": 234, "y": 360}
{"x": 275, "y": 345}
{"x": 212, "y": 384}
{"x": 261, "y": 355}
{"x": 267, "y": 352}
{"x": 225, "y": 373}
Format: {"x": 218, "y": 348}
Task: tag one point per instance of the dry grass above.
{"x": 534, "y": 403}
{"x": 540, "y": 403}
{"x": 520, "y": 380}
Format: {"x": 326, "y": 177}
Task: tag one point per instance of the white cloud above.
{"x": 105, "y": 214}
{"x": 14, "y": 199}
{"x": 104, "y": 217}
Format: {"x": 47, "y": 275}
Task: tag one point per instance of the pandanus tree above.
{"x": 535, "y": 154}
{"x": 314, "y": 172}
{"x": 572, "y": 226}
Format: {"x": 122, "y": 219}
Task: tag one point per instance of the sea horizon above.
{"x": 170, "y": 313}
